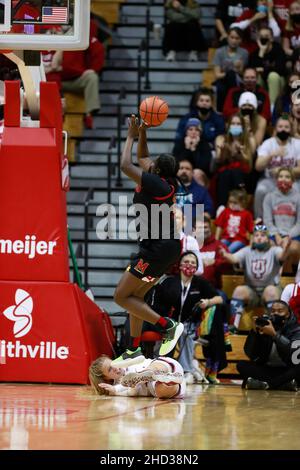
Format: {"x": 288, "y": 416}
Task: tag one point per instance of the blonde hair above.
{"x": 240, "y": 195}
{"x": 289, "y": 170}
{"x": 96, "y": 375}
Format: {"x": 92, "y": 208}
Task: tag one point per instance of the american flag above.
{"x": 54, "y": 15}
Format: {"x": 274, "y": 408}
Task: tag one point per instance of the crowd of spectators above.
{"x": 238, "y": 153}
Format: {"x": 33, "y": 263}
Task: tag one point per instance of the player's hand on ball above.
{"x": 133, "y": 126}
{"x": 144, "y": 125}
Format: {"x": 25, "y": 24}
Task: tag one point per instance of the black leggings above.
{"x": 184, "y": 37}
{"x": 274, "y": 376}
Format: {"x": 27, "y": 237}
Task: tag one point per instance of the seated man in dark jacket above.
{"x": 274, "y": 351}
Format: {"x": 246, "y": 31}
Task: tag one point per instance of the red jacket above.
{"x": 76, "y": 62}
{"x": 232, "y": 99}
{"x": 211, "y": 250}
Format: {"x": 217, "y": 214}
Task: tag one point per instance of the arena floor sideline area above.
{"x": 225, "y": 417}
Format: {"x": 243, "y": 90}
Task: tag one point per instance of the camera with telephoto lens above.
{"x": 276, "y": 320}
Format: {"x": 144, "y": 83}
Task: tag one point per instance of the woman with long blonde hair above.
{"x": 160, "y": 378}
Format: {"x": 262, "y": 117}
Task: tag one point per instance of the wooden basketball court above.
{"x": 43, "y": 417}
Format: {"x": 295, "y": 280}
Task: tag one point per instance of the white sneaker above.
{"x": 199, "y": 377}
{"x": 189, "y": 378}
{"x": 198, "y": 373}
{"x": 193, "y": 56}
{"x": 171, "y": 56}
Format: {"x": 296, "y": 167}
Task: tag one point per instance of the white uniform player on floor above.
{"x": 160, "y": 378}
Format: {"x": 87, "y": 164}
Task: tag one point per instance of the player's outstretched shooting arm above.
{"x": 143, "y": 155}
{"x": 132, "y": 171}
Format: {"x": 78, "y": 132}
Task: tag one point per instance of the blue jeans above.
{"x": 233, "y": 246}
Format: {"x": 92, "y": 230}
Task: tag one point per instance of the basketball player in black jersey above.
{"x": 157, "y": 185}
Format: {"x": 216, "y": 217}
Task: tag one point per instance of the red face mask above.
{"x": 284, "y": 186}
{"x": 188, "y": 269}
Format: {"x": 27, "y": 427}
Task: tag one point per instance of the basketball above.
{"x": 154, "y": 110}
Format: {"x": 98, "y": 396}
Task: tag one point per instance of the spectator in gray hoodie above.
{"x": 281, "y": 214}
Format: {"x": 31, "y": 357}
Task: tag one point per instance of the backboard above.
{"x": 44, "y": 24}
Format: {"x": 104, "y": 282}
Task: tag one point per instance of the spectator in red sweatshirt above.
{"x": 79, "y": 73}
{"x": 231, "y": 105}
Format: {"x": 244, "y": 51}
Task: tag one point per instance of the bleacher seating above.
{"x": 107, "y": 9}
{"x": 208, "y": 75}
{"x": 73, "y": 120}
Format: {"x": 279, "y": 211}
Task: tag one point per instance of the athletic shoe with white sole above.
{"x": 129, "y": 358}
{"x": 170, "y": 338}
{"x": 151, "y": 375}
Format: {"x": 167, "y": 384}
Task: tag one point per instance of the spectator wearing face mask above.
{"x": 186, "y": 297}
{"x": 235, "y": 223}
{"x": 195, "y": 149}
{"x": 229, "y": 63}
{"x": 234, "y": 152}
{"x": 249, "y": 83}
{"x": 281, "y": 150}
{"x": 261, "y": 264}
{"x": 269, "y": 62}
{"x": 281, "y": 214}
{"x": 255, "y": 124}
{"x": 273, "y": 350}
{"x": 202, "y": 108}
{"x": 253, "y": 20}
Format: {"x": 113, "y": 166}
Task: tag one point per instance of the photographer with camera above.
{"x": 273, "y": 347}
